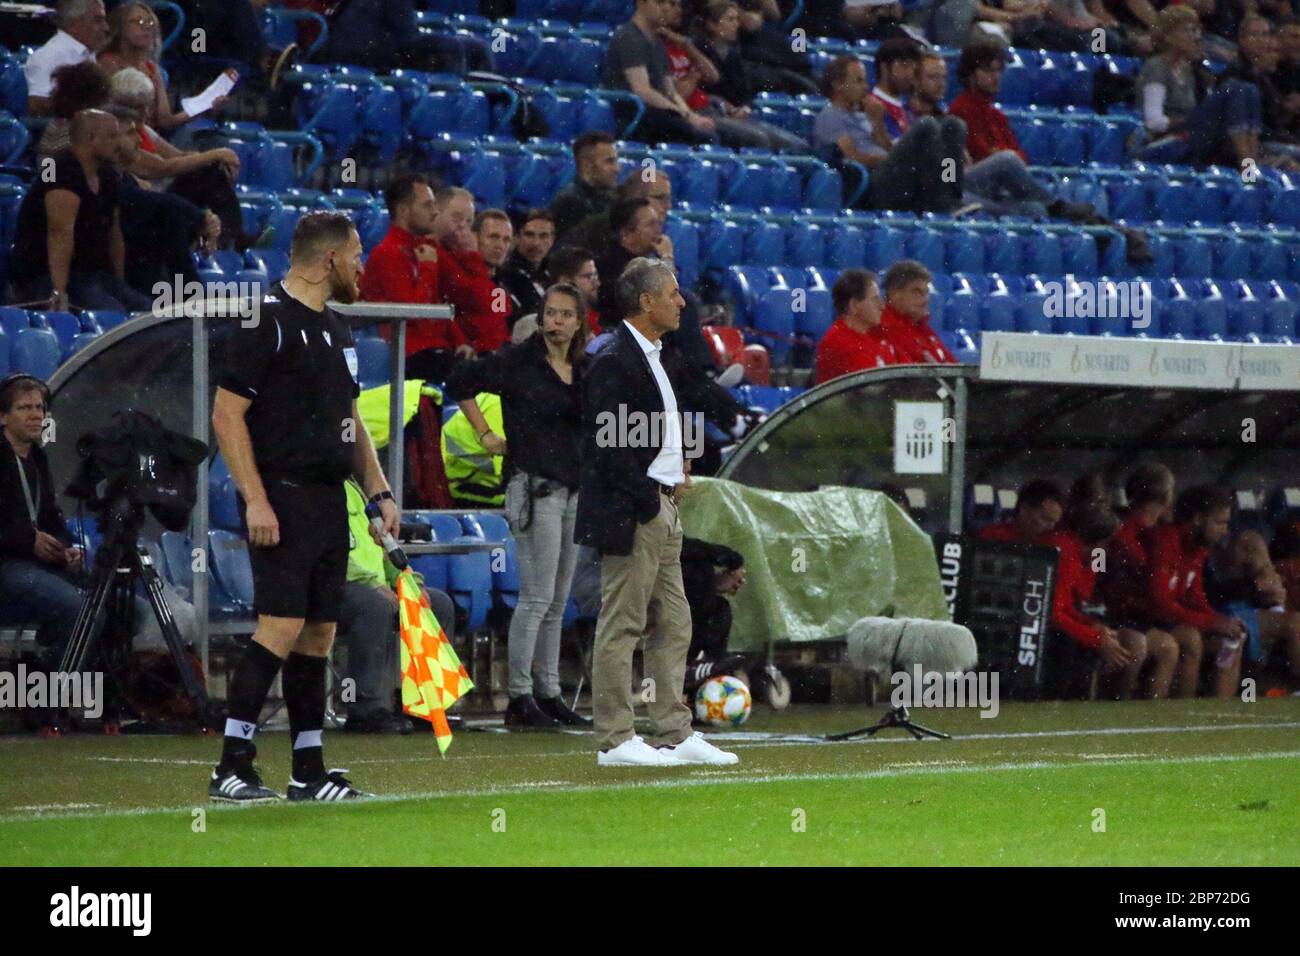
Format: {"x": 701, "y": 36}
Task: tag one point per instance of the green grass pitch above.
{"x": 1163, "y": 783}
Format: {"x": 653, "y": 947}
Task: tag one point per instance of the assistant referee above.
{"x": 286, "y": 419}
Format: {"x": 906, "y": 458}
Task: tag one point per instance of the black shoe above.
{"x": 328, "y": 789}
{"x": 523, "y": 713}
{"x": 555, "y": 708}
{"x": 701, "y": 669}
{"x": 239, "y": 783}
{"x": 1073, "y": 211}
{"x": 421, "y": 726}
{"x": 377, "y": 723}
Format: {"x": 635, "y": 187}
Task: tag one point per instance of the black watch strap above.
{"x": 381, "y": 496}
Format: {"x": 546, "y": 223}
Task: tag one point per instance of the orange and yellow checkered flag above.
{"x": 433, "y": 677}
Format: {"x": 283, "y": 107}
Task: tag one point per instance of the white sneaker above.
{"x": 635, "y": 752}
{"x": 695, "y": 749}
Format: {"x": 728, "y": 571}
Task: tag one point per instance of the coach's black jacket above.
{"x": 17, "y": 536}
{"x": 615, "y": 493}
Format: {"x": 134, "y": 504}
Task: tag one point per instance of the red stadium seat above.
{"x": 758, "y": 365}
{"x": 727, "y": 343}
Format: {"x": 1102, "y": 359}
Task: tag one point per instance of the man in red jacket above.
{"x": 905, "y": 323}
{"x": 854, "y": 340}
{"x": 1040, "y": 506}
{"x": 404, "y": 268}
{"x": 463, "y": 276}
{"x": 1176, "y": 583}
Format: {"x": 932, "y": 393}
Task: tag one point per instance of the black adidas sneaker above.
{"x": 239, "y": 784}
{"x": 333, "y": 786}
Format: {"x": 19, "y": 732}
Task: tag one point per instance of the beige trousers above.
{"x": 643, "y": 589}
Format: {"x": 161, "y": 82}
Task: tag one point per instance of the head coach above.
{"x": 286, "y": 419}
{"x": 633, "y": 472}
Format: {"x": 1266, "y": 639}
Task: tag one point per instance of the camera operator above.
{"x": 38, "y": 568}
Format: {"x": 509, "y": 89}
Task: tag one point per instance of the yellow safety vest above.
{"x": 472, "y": 473}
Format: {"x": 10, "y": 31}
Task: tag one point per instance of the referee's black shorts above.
{"x": 303, "y": 575}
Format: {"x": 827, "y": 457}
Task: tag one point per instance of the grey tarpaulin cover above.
{"x": 815, "y": 561}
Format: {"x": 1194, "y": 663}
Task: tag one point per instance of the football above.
{"x": 723, "y": 702}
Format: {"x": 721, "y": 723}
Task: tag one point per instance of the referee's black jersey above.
{"x": 298, "y": 368}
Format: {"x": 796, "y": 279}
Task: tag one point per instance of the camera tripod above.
{"x": 895, "y": 717}
{"x": 120, "y": 562}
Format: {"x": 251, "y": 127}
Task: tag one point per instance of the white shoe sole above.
{"x": 725, "y": 762}
{"x": 603, "y": 760}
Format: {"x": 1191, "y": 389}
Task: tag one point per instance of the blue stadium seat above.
{"x": 1269, "y": 259}
{"x": 805, "y": 244}
{"x": 1079, "y": 254}
{"x": 1069, "y": 145}
{"x": 824, "y": 190}
{"x": 764, "y": 243}
{"x": 14, "y": 320}
{"x": 178, "y": 560}
{"x": 1004, "y": 252}
{"x": 505, "y": 574}
{"x": 1212, "y": 312}
{"x": 722, "y": 244}
{"x": 13, "y": 85}
{"x": 64, "y": 325}
{"x": 372, "y": 362}
{"x": 963, "y": 251}
{"x": 381, "y": 121}
{"x": 469, "y": 582}
{"x": 1281, "y": 312}
{"x": 1032, "y": 315}
{"x": 1128, "y": 199}
{"x": 1178, "y": 312}
{"x": 1042, "y": 254}
{"x": 884, "y": 247}
{"x": 79, "y": 342}
{"x": 331, "y": 115}
{"x": 36, "y": 352}
{"x": 819, "y": 311}
{"x": 232, "y": 571}
{"x": 927, "y": 247}
{"x": 1231, "y": 255}
{"x": 686, "y": 250}
{"x": 846, "y": 247}
{"x": 961, "y": 308}
{"x": 1246, "y": 205}
{"x": 999, "y": 310}
{"x": 1247, "y": 313}
{"x": 106, "y": 320}
{"x": 6, "y": 347}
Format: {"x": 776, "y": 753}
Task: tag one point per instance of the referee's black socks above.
{"x": 249, "y": 686}
{"x": 304, "y": 696}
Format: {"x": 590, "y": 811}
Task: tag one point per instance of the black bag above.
{"x": 528, "y": 122}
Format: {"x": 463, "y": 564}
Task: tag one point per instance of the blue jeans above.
{"x": 36, "y": 593}
{"x": 1004, "y": 184}
{"x": 1227, "y": 110}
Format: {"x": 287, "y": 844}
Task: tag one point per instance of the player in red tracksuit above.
{"x": 1040, "y": 506}
{"x": 905, "y": 322}
{"x": 1124, "y": 587}
{"x": 854, "y": 341}
{"x": 1176, "y": 582}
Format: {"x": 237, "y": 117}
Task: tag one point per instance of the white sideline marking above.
{"x": 820, "y": 741}
{"x": 706, "y": 778}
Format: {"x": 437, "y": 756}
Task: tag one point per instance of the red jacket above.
{"x": 1123, "y": 586}
{"x": 987, "y": 128}
{"x": 481, "y": 311}
{"x": 1176, "y": 583}
{"x": 393, "y": 274}
{"x": 1074, "y": 581}
{"x": 843, "y": 349}
{"x": 914, "y": 343}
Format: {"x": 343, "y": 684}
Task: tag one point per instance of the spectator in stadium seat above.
{"x": 1186, "y": 119}
{"x": 368, "y": 623}
{"x": 135, "y": 41}
{"x": 232, "y": 30}
{"x": 523, "y": 274}
{"x": 161, "y": 230}
{"x": 648, "y": 183}
{"x": 854, "y": 340}
{"x": 206, "y": 178}
{"x": 714, "y": 81}
{"x": 1176, "y": 582}
{"x": 636, "y": 229}
{"x": 637, "y": 62}
{"x": 382, "y": 35}
{"x": 1259, "y": 54}
{"x": 595, "y": 160}
{"x": 540, "y": 384}
{"x": 772, "y": 61}
{"x": 907, "y": 175}
{"x": 1241, "y": 580}
{"x": 1020, "y": 23}
{"x": 494, "y": 236}
{"x": 573, "y": 266}
{"x": 464, "y": 279}
{"x": 996, "y": 172}
{"x": 1089, "y": 520}
{"x": 905, "y": 322}
{"x": 68, "y": 245}
{"x": 404, "y": 268}
{"x": 83, "y": 31}
{"x": 77, "y": 87}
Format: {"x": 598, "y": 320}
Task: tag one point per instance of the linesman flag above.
{"x": 433, "y": 677}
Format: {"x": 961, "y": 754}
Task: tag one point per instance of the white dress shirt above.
{"x": 62, "y": 49}
{"x": 669, "y": 467}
